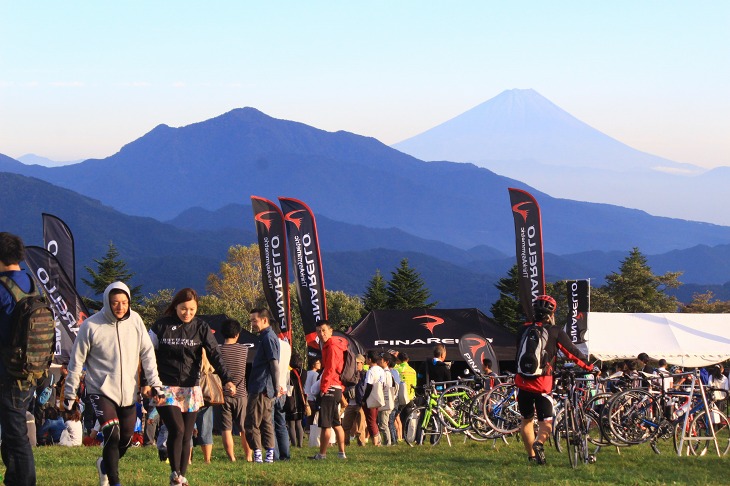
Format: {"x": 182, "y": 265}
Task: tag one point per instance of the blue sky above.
{"x": 81, "y": 79}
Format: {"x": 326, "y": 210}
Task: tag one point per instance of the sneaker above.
{"x": 539, "y": 452}
{"x": 341, "y": 455}
{"x": 175, "y": 479}
{"x": 269, "y": 455}
{"x": 257, "y": 457}
{"x": 183, "y": 481}
{"x": 103, "y": 479}
{"x": 162, "y": 453}
{"x": 318, "y": 457}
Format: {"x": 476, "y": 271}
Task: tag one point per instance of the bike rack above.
{"x": 697, "y": 382}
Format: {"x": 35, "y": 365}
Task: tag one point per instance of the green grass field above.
{"x": 463, "y": 463}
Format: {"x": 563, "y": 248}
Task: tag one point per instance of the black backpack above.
{"x": 28, "y": 353}
{"x": 531, "y": 352}
{"x": 349, "y": 377}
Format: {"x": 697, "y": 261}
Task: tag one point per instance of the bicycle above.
{"x": 571, "y": 427}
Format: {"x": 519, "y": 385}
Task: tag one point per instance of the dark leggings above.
{"x": 296, "y": 432}
{"x": 179, "y": 432}
{"x": 117, "y": 425}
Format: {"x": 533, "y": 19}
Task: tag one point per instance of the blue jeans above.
{"x": 391, "y": 425}
{"x": 281, "y": 433}
{"x": 204, "y": 423}
{"x": 16, "y": 451}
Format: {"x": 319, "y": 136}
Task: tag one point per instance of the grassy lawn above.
{"x": 463, "y": 463}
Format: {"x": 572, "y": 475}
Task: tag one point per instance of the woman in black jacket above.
{"x": 179, "y": 339}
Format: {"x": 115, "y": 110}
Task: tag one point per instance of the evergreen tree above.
{"x": 507, "y": 310}
{"x": 636, "y": 289}
{"x": 111, "y": 269}
{"x": 407, "y": 290}
{"x": 376, "y": 294}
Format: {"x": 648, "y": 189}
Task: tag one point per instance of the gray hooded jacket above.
{"x": 111, "y": 349}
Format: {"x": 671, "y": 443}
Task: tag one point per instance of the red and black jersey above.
{"x": 558, "y": 340}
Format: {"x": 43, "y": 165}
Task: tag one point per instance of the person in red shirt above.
{"x": 535, "y": 392}
{"x": 330, "y": 389}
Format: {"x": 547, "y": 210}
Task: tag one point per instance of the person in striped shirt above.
{"x": 233, "y": 410}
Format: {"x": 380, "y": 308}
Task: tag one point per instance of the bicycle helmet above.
{"x": 544, "y": 305}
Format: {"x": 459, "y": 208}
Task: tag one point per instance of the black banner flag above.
{"x": 579, "y": 303}
{"x": 60, "y": 242}
{"x": 271, "y": 232}
{"x": 68, "y": 308}
{"x": 528, "y": 236}
{"x": 301, "y": 230}
{"x": 475, "y": 348}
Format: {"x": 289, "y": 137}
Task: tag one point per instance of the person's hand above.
{"x": 231, "y": 388}
{"x": 157, "y": 395}
{"x": 68, "y": 404}
{"x": 282, "y": 391}
{"x": 146, "y": 391}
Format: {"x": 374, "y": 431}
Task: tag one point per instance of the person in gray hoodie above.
{"x": 111, "y": 344}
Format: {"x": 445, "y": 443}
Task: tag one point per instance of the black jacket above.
{"x": 179, "y": 348}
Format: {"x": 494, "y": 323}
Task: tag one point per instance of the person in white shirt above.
{"x": 374, "y": 379}
{"x": 311, "y": 386}
{"x": 74, "y": 433}
{"x": 667, "y": 382}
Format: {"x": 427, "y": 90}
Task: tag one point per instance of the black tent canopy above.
{"x": 417, "y": 331}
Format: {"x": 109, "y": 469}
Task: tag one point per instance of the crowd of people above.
{"x": 125, "y": 385}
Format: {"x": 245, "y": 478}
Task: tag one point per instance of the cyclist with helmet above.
{"x": 534, "y": 394}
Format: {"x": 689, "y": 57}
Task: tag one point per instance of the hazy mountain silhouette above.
{"x": 352, "y": 179}
{"x": 521, "y": 134}
{"x": 163, "y": 255}
{"x": 522, "y": 125}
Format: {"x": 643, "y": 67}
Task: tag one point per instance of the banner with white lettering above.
{"x": 475, "y": 349}
{"x": 69, "y": 310}
{"x": 59, "y": 242}
{"x": 579, "y": 303}
{"x": 528, "y": 237}
{"x": 301, "y": 231}
{"x": 271, "y": 233}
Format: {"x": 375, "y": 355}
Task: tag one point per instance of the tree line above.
{"x": 236, "y": 288}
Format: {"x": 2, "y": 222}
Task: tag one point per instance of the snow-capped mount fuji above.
{"x": 520, "y": 125}
{"x": 522, "y": 135}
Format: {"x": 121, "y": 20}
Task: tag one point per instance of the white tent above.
{"x": 681, "y": 339}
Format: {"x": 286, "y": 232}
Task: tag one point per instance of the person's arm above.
{"x": 76, "y": 362}
{"x": 571, "y": 352}
{"x": 274, "y": 370}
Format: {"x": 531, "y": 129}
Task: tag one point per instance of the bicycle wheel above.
{"x": 454, "y": 406}
{"x": 581, "y": 433}
{"x": 559, "y": 431}
{"x": 570, "y": 433}
{"x": 634, "y": 416}
{"x": 479, "y": 425}
{"x": 593, "y": 409}
{"x": 422, "y": 427}
{"x": 698, "y": 440}
{"x": 500, "y": 409}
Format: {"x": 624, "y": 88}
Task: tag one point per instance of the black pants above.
{"x": 117, "y": 425}
{"x": 179, "y": 434}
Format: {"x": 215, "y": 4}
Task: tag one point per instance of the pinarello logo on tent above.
{"x": 479, "y": 344}
{"x": 297, "y": 221}
{"x": 261, "y": 219}
{"x": 517, "y": 208}
{"x": 433, "y": 322}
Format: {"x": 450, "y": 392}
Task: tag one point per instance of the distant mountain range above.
{"x": 522, "y": 135}
{"x": 352, "y": 179}
{"x": 374, "y": 206}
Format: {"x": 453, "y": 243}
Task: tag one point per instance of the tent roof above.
{"x": 417, "y": 331}
{"x": 682, "y": 339}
